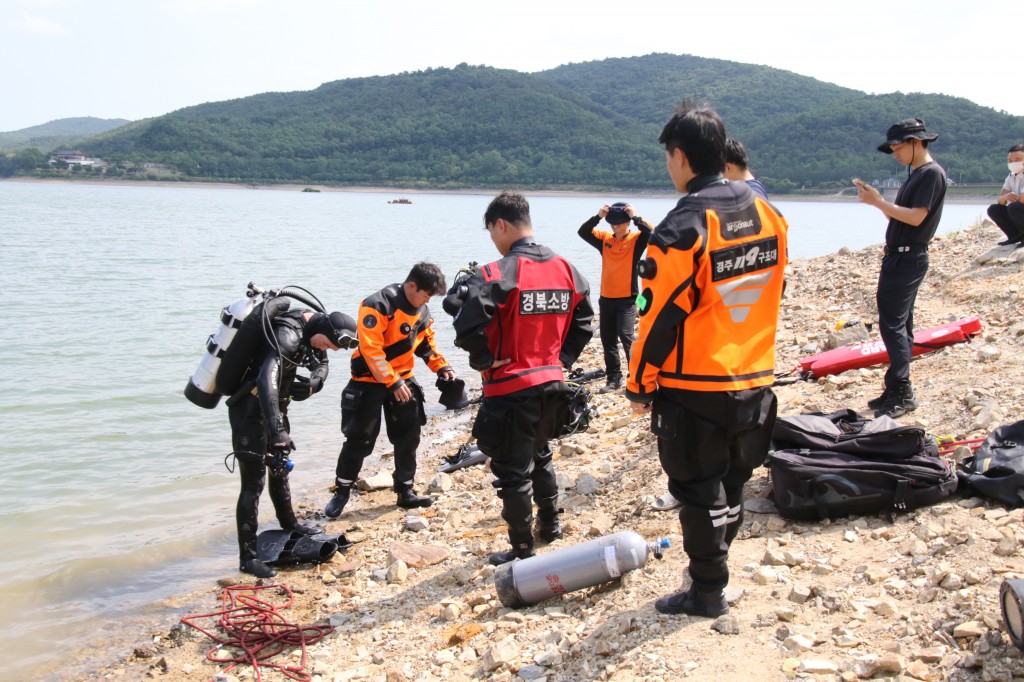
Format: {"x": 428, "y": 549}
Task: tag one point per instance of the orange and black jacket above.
{"x": 619, "y": 257}
{"x": 532, "y": 307}
{"x": 391, "y": 330}
{"x": 711, "y": 288}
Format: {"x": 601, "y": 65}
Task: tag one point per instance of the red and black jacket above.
{"x": 532, "y": 307}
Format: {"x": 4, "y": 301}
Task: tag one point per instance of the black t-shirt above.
{"x": 925, "y": 188}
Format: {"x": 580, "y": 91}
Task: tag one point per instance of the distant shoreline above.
{"x": 292, "y": 187}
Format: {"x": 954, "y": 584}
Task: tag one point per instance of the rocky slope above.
{"x": 857, "y": 598}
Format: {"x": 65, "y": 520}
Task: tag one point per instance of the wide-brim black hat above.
{"x": 905, "y": 129}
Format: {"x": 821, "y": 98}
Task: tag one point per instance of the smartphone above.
{"x": 860, "y": 183}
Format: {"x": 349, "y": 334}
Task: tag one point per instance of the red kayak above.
{"x": 872, "y": 353}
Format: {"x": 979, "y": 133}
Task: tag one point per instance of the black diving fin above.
{"x": 284, "y": 547}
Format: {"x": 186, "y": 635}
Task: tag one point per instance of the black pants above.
{"x": 1009, "y": 219}
{"x": 618, "y": 317}
{"x": 898, "y": 281}
{"x": 249, "y": 434}
{"x": 361, "y": 404}
{"x": 709, "y": 445}
{"x": 514, "y": 430}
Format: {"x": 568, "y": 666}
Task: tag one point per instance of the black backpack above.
{"x": 997, "y": 468}
{"x": 843, "y": 465}
{"x": 846, "y": 431}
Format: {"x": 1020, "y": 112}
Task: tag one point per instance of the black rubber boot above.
{"x": 257, "y": 568}
{"x": 337, "y": 504}
{"x": 695, "y": 603}
{"x": 407, "y": 499}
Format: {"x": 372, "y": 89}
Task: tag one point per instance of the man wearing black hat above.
{"x": 620, "y": 250}
{"x": 913, "y": 219}
{"x": 259, "y": 418}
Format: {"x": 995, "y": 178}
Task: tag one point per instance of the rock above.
{"x": 462, "y": 633}
{"x": 398, "y": 572}
{"x": 379, "y": 481}
{"x": 417, "y": 556}
{"x": 818, "y": 666}
{"x": 971, "y": 628}
{"x": 798, "y": 643}
{"x": 988, "y": 353}
{"x": 587, "y": 485}
{"x": 601, "y": 525}
{"x": 620, "y": 423}
{"x": 799, "y": 594}
{"x": 440, "y": 483}
{"x": 567, "y": 449}
{"x": 502, "y": 653}
{"x": 531, "y": 672}
{"x": 727, "y": 624}
{"x": 919, "y": 670}
{"x": 416, "y": 523}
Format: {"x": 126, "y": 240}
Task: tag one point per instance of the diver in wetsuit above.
{"x": 258, "y": 413}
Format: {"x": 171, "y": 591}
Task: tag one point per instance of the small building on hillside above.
{"x": 73, "y": 157}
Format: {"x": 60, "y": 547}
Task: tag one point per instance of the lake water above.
{"x": 114, "y": 494}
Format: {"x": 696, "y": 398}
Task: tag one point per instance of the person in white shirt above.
{"x": 1008, "y": 211}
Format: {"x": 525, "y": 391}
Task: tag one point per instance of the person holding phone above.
{"x": 913, "y": 218}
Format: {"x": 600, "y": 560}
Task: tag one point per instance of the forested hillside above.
{"x": 591, "y": 125}
{"x": 61, "y": 132}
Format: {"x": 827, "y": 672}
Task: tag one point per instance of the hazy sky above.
{"x": 139, "y": 58}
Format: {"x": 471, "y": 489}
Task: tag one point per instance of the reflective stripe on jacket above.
{"x": 710, "y": 293}
{"x": 391, "y": 331}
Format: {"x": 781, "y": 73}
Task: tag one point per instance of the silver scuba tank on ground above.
{"x": 201, "y": 388}
{"x": 527, "y": 581}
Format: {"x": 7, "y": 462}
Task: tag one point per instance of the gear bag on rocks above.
{"x": 996, "y": 470}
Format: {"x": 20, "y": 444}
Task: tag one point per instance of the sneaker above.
{"x": 875, "y": 403}
{"x": 901, "y": 400}
{"x": 694, "y": 602}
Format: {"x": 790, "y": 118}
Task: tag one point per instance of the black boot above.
{"x": 521, "y": 550}
{"x": 694, "y": 602}
{"x": 407, "y": 499}
{"x": 337, "y": 504}
{"x": 549, "y": 528}
{"x": 257, "y": 568}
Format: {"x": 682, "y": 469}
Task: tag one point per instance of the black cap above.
{"x": 617, "y": 214}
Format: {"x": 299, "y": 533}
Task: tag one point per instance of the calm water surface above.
{"x": 114, "y": 494}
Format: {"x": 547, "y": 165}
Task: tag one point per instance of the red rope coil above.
{"x": 254, "y": 626}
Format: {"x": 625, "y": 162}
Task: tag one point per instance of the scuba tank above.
{"x": 201, "y": 388}
{"x": 527, "y": 581}
{"x": 245, "y": 325}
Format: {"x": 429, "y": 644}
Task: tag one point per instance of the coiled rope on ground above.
{"x": 253, "y": 625}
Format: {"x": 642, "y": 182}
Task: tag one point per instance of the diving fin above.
{"x": 283, "y": 547}
{"x": 467, "y": 456}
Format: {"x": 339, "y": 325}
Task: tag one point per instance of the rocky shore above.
{"x": 857, "y": 598}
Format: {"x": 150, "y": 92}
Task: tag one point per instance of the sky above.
{"x": 135, "y": 59}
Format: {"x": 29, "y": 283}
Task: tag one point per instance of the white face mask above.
{"x": 1015, "y": 167}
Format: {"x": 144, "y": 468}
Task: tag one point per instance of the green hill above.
{"x": 591, "y": 125}
{"x": 59, "y": 133}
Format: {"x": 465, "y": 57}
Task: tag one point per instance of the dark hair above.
{"x": 736, "y": 154}
{"x": 1016, "y": 148}
{"x": 427, "y": 277}
{"x": 698, "y": 131}
{"x": 511, "y": 207}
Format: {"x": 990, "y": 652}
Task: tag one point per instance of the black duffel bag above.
{"x": 997, "y": 468}
{"x": 846, "y": 431}
{"x": 816, "y": 484}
